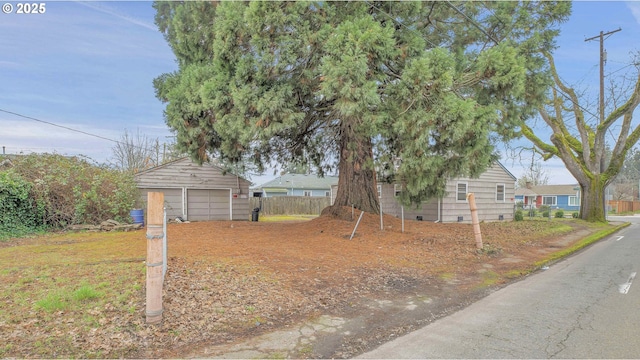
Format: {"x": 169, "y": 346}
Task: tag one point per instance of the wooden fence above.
{"x": 623, "y": 206}
{"x": 290, "y": 205}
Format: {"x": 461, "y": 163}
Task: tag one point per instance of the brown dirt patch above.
{"x": 228, "y": 281}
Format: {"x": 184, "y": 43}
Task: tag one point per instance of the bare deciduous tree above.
{"x": 534, "y": 174}
{"x": 134, "y": 153}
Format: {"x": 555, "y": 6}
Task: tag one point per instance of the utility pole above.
{"x": 602, "y": 60}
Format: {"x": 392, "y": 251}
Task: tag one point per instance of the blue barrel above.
{"x": 138, "y": 216}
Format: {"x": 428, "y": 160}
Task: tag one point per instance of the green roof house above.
{"x": 297, "y": 185}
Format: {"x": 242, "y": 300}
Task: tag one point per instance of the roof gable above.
{"x": 185, "y": 167}
{"x": 505, "y": 170}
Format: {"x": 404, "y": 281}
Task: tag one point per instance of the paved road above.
{"x": 585, "y": 306}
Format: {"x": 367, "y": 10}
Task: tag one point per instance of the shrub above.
{"x": 575, "y": 215}
{"x": 545, "y": 213}
{"x": 532, "y": 213}
{"x": 518, "y": 216}
{"x": 20, "y": 215}
{"x": 72, "y": 190}
{"x": 559, "y": 214}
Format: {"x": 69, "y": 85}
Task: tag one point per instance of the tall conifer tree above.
{"x": 411, "y": 92}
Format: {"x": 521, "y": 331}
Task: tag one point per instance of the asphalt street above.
{"x": 585, "y": 306}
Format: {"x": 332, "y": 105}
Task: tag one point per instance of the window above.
{"x": 549, "y": 200}
{"x": 397, "y": 189}
{"x": 306, "y": 193}
{"x": 379, "y": 191}
{"x": 461, "y": 192}
{"x": 327, "y": 193}
{"x": 500, "y": 192}
{"x": 574, "y": 201}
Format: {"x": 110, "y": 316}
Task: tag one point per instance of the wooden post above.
{"x": 474, "y": 220}
{"x": 357, "y": 223}
{"x": 381, "y": 221}
{"x": 155, "y": 219}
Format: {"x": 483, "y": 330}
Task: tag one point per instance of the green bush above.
{"x": 518, "y": 216}
{"x": 20, "y": 215}
{"x": 545, "y": 213}
{"x": 559, "y": 214}
{"x": 575, "y": 215}
{"x": 531, "y": 212}
{"x": 72, "y": 190}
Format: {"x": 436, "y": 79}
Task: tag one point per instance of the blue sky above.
{"x": 90, "y": 65}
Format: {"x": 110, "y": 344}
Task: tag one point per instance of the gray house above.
{"x": 196, "y": 193}
{"x": 297, "y": 185}
{"x": 494, "y": 192}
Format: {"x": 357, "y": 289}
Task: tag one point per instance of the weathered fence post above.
{"x": 155, "y": 217}
{"x": 381, "y": 221}
{"x": 164, "y": 243}
{"x": 474, "y": 219}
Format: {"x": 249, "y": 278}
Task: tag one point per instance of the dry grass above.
{"x": 82, "y": 294}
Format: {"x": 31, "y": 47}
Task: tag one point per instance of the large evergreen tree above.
{"x": 416, "y": 92}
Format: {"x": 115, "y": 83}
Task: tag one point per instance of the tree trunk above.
{"x": 592, "y": 201}
{"x": 357, "y": 178}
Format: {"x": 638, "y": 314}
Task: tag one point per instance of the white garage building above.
{"x": 196, "y": 193}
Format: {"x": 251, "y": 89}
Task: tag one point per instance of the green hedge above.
{"x": 59, "y": 191}
{"x": 20, "y": 215}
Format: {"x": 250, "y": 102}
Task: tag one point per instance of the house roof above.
{"x": 212, "y": 164}
{"x": 300, "y": 181}
{"x": 548, "y": 190}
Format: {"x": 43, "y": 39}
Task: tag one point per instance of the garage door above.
{"x": 172, "y": 201}
{"x": 208, "y": 205}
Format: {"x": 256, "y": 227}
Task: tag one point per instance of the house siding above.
{"x": 230, "y": 192}
{"x": 562, "y": 202}
{"x": 448, "y": 209}
{"x": 172, "y": 200}
{"x": 534, "y": 196}
{"x": 484, "y": 189}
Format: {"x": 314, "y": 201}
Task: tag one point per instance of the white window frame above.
{"x": 458, "y": 193}
{"x": 554, "y": 202}
{"x": 397, "y": 189}
{"x": 307, "y": 193}
{"x": 503, "y": 193}
{"x": 576, "y": 200}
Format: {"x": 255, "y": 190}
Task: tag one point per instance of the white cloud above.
{"x": 111, "y": 11}
{"x": 635, "y": 9}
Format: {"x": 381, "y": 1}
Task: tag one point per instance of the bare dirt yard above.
{"x": 83, "y": 294}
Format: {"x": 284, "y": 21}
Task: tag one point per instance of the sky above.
{"x": 89, "y": 67}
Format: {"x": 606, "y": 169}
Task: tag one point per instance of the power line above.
{"x": 402, "y": 24}
{"x": 476, "y": 25}
{"x": 56, "y": 125}
{"x": 76, "y": 130}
